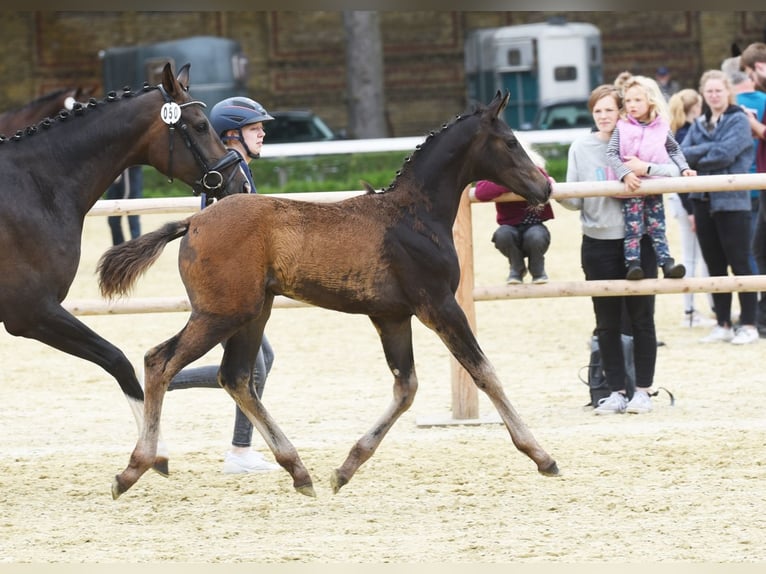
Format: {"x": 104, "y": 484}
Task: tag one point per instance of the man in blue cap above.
{"x": 668, "y": 86}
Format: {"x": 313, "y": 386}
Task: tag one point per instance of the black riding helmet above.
{"x": 235, "y": 113}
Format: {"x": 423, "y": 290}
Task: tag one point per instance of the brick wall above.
{"x": 297, "y": 59}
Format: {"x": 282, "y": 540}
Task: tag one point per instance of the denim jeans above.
{"x": 207, "y": 376}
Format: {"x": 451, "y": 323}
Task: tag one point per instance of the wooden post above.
{"x": 465, "y": 400}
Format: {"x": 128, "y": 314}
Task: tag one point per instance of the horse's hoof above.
{"x": 160, "y": 466}
{"x": 117, "y": 488}
{"x": 551, "y": 470}
{"x": 307, "y": 490}
{"x": 337, "y": 482}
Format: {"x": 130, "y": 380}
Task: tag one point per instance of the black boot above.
{"x": 671, "y": 270}
{"x": 634, "y": 271}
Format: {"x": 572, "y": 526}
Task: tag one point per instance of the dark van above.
{"x": 218, "y": 66}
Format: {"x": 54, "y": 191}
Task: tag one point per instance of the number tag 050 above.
{"x": 170, "y": 113}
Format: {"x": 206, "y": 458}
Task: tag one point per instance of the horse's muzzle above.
{"x": 215, "y": 184}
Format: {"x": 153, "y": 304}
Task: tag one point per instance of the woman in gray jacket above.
{"x": 602, "y": 255}
{"x": 720, "y": 142}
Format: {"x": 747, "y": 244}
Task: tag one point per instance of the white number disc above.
{"x": 170, "y": 113}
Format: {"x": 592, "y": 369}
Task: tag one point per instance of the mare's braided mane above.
{"x": 77, "y": 110}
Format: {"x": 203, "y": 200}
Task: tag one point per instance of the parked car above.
{"x": 562, "y": 115}
{"x": 298, "y": 126}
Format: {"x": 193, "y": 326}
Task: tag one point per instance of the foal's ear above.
{"x": 497, "y": 105}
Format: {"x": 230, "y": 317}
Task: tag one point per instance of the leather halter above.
{"x": 212, "y": 179}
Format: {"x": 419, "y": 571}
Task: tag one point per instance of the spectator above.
{"x": 668, "y": 86}
{"x": 239, "y": 123}
{"x": 754, "y": 103}
{"x": 128, "y": 185}
{"x": 621, "y": 79}
{"x": 602, "y": 256}
{"x": 720, "y": 142}
{"x": 753, "y": 62}
{"x": 521, "y": 233}
{"x": 643, "y": 132}
{"x": 685, "y": 106}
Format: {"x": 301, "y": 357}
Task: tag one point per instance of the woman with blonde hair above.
{"x": 720, "y": 142}
{"x": 685, "y": 106}
{"x": 643, "y": 131}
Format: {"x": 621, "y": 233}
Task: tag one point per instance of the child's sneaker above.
{"x": 614, "y": 404}
{"x": 639, "y": 404}
{"x": 540, "y": 279}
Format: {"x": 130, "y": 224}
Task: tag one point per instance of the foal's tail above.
{"x": 121, "y": 265}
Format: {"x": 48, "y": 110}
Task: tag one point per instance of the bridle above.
{"x": 212, "y": 179}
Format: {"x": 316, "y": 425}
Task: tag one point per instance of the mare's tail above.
{"x": 121, "y": 265}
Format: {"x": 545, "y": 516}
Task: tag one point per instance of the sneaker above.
{"x": 614, "y": 404}
{"x": 745, "y": 335}
{"x": 251, "y": 461}
{"x": 540, "y": 279}
{"x": 693, "y": 318}
{"x": 673, "y": 270}
{"x": 639, "y": 404}
{"x": 516, "y": 277}
{"x": 719, "y": 334}
{"x": 634, "y": 271}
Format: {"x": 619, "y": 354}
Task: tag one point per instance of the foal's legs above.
{"x": 396, "y": 336}
{"x": 449, "y": 322}
{"x": 54, "y": 326}
{"x": 235, "y": 376}
{"x": 161, "y": 364}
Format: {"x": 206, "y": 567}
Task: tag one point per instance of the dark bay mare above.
{"x": 388, "y": 255}
{"x": 45, "y": 106}
{"x": 54, "y": 173}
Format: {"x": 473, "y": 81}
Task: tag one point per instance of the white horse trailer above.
{"x": 539, "y": 64}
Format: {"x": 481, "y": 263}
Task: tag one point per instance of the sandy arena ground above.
{"x": 685, "y": 483}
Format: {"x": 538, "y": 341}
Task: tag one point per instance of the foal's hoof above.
{"x": 117, "y": 487}
{"x": 307, "y": 490}
{"x": 337, "y": 482}
{"x": 551, "y": 470}
{"x": 160, "y": 466}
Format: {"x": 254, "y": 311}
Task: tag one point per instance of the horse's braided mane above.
{"x": 408, "y": 160}
{"x": 77, "y": 110}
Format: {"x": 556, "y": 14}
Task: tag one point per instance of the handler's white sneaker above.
{"x": 251, "y": 461}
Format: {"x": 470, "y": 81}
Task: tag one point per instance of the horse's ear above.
{"x": 168, "y": 81}
{"x": 174, "y": 85}
{"x": 183, "y": 77}
{"x": 497, "y": 105}
{"x": 84, "y": 92}
{"x": 368, "y": 188}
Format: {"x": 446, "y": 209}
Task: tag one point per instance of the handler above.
{"x": 239, "y": 123}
